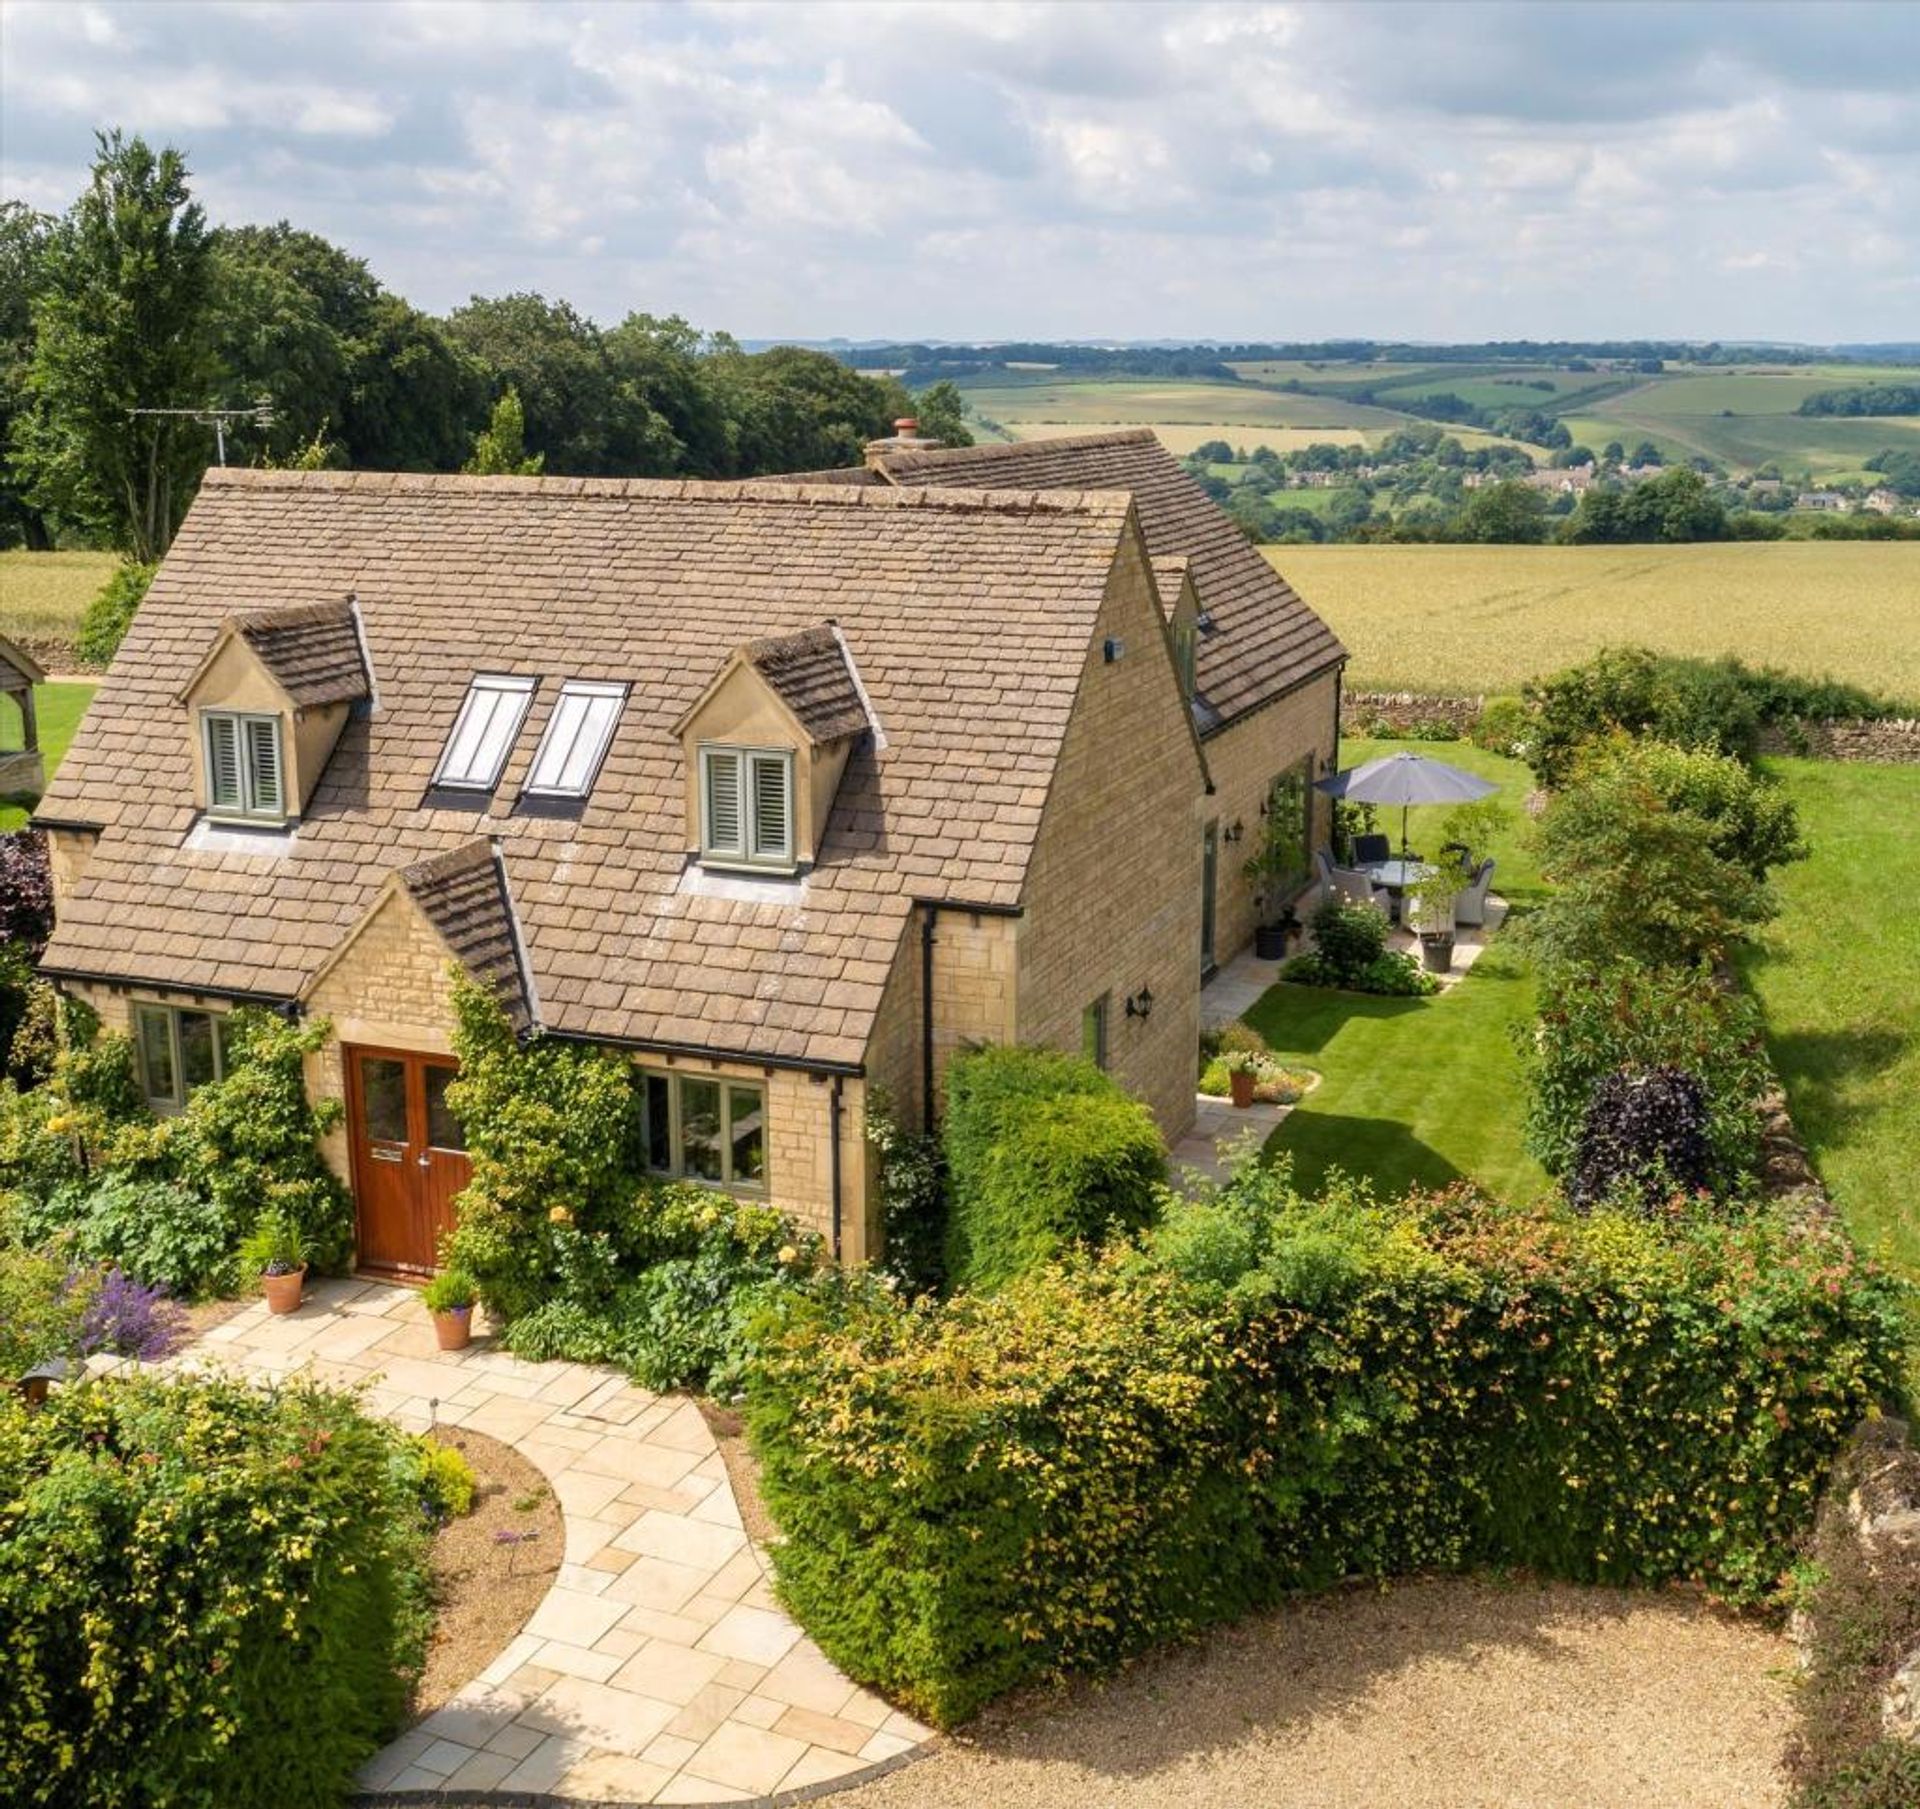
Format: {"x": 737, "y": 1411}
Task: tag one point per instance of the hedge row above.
{"x": 1043, "y": 1150}
{"x": 213, "y": 1595}
{"x": 1275, "y": 1393}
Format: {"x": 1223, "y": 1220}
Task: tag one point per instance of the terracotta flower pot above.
{"x": 1240, "y": 1080}
{"x": 283, "y": 1291}
{"x": 453, "y": 1326}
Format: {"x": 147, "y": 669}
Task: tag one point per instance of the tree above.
{"x": 413, "y": 397}
{"x": 1510, "y": 513}
{"x": 499, "y": 449}
{"x": 122, "y": 322}
{"x": 23, "y": 240}
{"x": 660, "y": 366}
{"x": 941, "y": 411}
{"x": 800, "y": 410}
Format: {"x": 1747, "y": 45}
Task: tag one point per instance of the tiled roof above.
{"x": 968, "y": 616}
{"x": 463, "y": 894}
{"x": 808, "y": 672}
{"x": 1265, "y": 639}
{"x": 313, "y": 651}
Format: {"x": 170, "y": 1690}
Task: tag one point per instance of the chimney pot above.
{"x": 906, "y": 428}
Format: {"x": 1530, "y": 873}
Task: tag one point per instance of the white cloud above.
{"x": 1034, "y": 170}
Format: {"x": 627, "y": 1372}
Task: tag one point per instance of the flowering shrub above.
{"x": 49, "y": 1307}
{"x": 214, "y": 1595}
{"x": 1272, "y": 1393}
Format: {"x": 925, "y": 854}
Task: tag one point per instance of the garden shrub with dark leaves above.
{"x": 1645, "y": 1138}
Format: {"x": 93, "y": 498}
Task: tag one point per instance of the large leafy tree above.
{"x": 414, "y": 399}
{"x": 799, "y": 410}
{"x": 122, "y": 321}
{"x": 23, "y": 239}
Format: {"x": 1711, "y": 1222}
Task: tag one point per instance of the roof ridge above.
{"x": 291, "y": 615}
{"x": 988, "y": 449}
{"x": 761, "y": 492}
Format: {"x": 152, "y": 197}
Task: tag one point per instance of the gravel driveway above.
{"x": 1438, "y": 1695}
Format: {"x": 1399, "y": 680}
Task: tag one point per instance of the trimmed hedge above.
{"x": 214, "y": 1595}
{"x": 1277, "y": 1393}
{"x": 1043, "y": 1150}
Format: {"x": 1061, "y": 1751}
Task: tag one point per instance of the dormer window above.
{"x": 746, "y": 806}
{"x": 570, "y": 752}
{"x": 246, "y": 773}
{"x": 490, "y": 717}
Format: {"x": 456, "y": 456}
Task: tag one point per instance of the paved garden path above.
{"x": 659, "y": 1667}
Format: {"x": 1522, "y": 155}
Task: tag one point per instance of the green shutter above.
{"x": 723, "y": 802}
{"x": 223, "y": 763}
{"x": 772, "y": 808}
{"x": 263, "y": 767}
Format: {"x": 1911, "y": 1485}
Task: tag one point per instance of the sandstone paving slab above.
{"x": 658, "y": 1668}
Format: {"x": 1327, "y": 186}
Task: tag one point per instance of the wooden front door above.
{"x": 409, "y": 1157}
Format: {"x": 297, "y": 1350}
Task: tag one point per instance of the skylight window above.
{"x": 490, "y": 716}
{"x": 576, "y": 740}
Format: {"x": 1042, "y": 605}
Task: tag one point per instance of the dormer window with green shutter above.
{"x": 746, "y": 807}
{"x": 246, "y": 769}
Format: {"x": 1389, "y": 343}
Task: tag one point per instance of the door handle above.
{"x": 424, "y": 1161}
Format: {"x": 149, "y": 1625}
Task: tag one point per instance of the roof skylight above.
{"x": 490, "y": 717}
{"x": 582, "y": 724}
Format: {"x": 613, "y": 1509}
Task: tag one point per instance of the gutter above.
{"x": 72, "y": 824}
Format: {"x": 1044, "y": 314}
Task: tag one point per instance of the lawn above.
{"x": 1474, "y": 618}
{"x": 44, "y": 595}
{"x": 1839, "y": 979}
{"x": 59, "y": 709}
{"x": 1420, "y": 1091}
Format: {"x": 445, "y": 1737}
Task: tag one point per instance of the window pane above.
{"x": 223, "y": 763}
{"x": 196, "y": 1049}
{"x": 576, "y": 739}
{"x": 220, "y": 1041}
{"x": 700, "y": 1129}
{"x": 1093, "y": 1032}
{"x": 659, "y": 1124}
{"x": 443, "y": 1129}
{"x": 747, "y": 1132}
{"x": 772, "y": 837}
{"x": 383, "y": 1098}
{"x": 722, "y": 801}
{"x": 263, "y": 765}
{"x": 156, "y": 1053}
{"x": 483, "y": 732}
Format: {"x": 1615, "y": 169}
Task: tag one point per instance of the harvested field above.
{"x": 44, "y": 595}
{"x": 1487, "y": 618}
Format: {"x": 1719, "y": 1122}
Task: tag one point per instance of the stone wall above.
{"x": 1390, "y": 713}
{"x": 1897, "y": 742}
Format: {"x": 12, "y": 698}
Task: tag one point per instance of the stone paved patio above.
{"x": 659, "y": 1668}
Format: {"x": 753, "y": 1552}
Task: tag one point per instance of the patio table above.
{"x": 1394, "y": 877}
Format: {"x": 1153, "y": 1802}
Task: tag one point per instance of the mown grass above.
{"x": 58, "y": 709}
{"x": 1838, "y": 976}
{"x": 1418, "y": 1091}
{"x": 44, "y": 595}
{"x": 1486, "y": 619}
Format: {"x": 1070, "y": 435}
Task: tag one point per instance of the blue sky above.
{"x": 1294, "y": 171}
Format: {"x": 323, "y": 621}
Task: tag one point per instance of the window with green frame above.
{"x": 746, "y": 807}
{"x": 246, "y": 776}
{"x": 1093, "y": 1031}
{"x": 706, "y": 1127}
{"x": 1290, "y": 821}
{"x": 176, "y": 1050}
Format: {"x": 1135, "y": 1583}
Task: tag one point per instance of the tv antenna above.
{"x": 260, "y": 414}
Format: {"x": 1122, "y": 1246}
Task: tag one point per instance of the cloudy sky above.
{"x": 1289, "y": 171}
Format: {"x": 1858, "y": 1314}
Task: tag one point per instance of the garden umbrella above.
{"x": 1406, "y": 779}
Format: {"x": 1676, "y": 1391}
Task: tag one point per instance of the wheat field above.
{"x": 1487, "y": 618}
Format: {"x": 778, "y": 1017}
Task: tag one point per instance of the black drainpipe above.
{"x": 926, "y": 1016}
{"x": 834, "y": 1137}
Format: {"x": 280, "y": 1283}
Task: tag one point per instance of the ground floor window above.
{"x": 1093, "y": 1032}
{"x": 1290, "y": 822}
{"x": 177, "y": 1050}
{"x": 702, "y": 1127}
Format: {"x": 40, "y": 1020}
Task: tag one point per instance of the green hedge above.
{"x": 213, "y": 1595}
{"x": 1278, "y": 1393}
{"x": 1043, "y": 1150}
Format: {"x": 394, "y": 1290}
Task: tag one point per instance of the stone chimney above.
{"x": 906, "y": 437}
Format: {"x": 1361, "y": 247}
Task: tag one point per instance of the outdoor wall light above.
{"x": 1140, "y": 1004}
{"x": 1234, "y": 831}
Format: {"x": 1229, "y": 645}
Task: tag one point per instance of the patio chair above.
{"x": 1370, "y": 848}
{"x": 1357, "y": 887}
{"x": 1457, "y": 854}
{"x": 1470, "y": 905}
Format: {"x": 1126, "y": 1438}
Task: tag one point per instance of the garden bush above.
{"x": 1276, "y": 1393}
{"x": 214, "y": 1595}
{"x": 158, "y": 1231}
{"x": 1350, "y": 951}
{"x": 110, "y": 614}
{"x": 1504, "y": 726}
{"x": 913, "y": 1202}
{"x": 1042, "y": 1150}
{"x": 1596, "y": 1021}
{"x": 1644, "y": 1138}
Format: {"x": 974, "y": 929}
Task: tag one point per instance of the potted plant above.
{"x": 450, "y": 1296}
{"x": 1431, "y": 906}
{"x": 277, "y": 1252}
{"x": 1243, "y": 1069}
